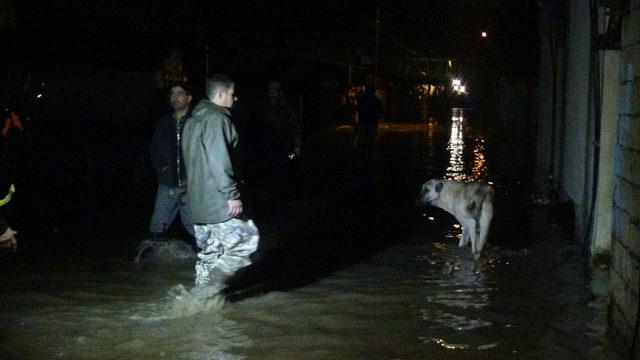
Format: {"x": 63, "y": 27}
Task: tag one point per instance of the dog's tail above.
{"x": 486, "y": 214}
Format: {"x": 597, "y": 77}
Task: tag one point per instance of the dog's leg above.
{"x": 469, "y": 225}
{"x": 464, "y": 238}
{"x": 473, "y": 232}
{"x": 467, "y": 239}
{"x": 485, "y": 221}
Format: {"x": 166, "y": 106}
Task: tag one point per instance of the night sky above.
{"x": 408, "y": 28}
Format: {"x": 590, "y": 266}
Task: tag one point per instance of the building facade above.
{"x": 588, "y": 138}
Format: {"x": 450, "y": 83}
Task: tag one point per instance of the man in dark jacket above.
{"x": 167, "y": 160}
{"x": 210, "y": 148}
{"x": 280, "y": 134}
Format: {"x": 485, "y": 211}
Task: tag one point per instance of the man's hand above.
{"x": 235, "y": 207}
{"x": 8, "y": 240}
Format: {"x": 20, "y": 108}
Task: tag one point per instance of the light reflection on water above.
{"x": 457, "y": 169}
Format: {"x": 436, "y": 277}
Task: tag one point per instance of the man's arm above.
{"x": 154, "y": 149}
{"x": 295, "y": 124}
{"x": 5, "y": 128}
{"x": 379, "y": 109}
{"x": 220, "y": 138}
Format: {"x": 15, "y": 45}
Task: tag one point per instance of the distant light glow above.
{"x": 38, "y": 96}
{"x": 484, "y": 34}
{"x": 458, "y": 86}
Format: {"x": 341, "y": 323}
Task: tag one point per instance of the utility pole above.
{"x": 375, "y": 63}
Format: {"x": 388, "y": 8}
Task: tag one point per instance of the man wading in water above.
{"x": 210, "y": 148}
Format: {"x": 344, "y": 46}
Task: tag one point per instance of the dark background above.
{"x": 83, "y": 167}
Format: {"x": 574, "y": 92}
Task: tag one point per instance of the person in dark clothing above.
{"x": 370, "y": 111}
{"x": 7, "y": 164}
{"x": 281, "y": 142}
{"x": 11, "y": 121}
{"x": 167, "y": 160}
{"x": 11, "y": 140}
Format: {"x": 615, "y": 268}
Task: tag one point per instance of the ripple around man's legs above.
{"x": 200, "y": 299}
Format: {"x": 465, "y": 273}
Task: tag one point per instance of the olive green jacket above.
{"x": 209, "y": 147}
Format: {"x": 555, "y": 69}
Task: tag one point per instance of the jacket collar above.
{"x": 207, "y": 105}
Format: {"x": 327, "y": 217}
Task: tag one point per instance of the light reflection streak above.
{"x": 456, "y": 169}
{"x": 478, "y": 168}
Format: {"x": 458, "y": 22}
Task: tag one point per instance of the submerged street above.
{"x": 350, "y": 269}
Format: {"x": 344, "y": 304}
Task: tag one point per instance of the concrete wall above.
{"x": 602, "y": 222}
{"x": 564, "y": 135}
{"x": 625, "y": 270}
{"x": 550, "y": 95}
{"x": 567, "y": 154}
{"x": 545, "y": 93}
{"x": 575, "y": 155}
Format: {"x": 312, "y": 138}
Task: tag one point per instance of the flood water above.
{"x": 354, "y": 271}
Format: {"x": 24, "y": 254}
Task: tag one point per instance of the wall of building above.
{"x": 625, "y": 269}
{"x": 564, "y": 149}
{"x": 576, "y": 120}
{"x": 545, "y": 93}
{"x": 603, "y": 217}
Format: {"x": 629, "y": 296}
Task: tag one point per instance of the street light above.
{"x": 458, "y": 86}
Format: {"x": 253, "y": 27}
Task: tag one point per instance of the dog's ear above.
{"x": 439, "y": 187}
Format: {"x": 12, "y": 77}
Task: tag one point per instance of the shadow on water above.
{"x": 349, "y": 225}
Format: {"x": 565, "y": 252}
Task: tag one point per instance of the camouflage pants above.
{"x": 226, "y": 248}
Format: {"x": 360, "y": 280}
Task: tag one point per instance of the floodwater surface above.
{"x": 365, "y": 275}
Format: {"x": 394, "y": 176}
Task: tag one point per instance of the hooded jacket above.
{"x": 209, "y": 147}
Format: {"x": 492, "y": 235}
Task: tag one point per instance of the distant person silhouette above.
{"x": 370, "y": 111}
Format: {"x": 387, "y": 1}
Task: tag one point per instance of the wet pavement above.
{"x": 351, "y": 270}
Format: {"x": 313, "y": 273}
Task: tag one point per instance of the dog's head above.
{"x": 430, "y": 191}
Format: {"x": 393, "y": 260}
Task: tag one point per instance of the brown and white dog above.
{"x": 470, "y": 203}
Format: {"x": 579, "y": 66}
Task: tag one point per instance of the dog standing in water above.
{"x": 470, "y": 203}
